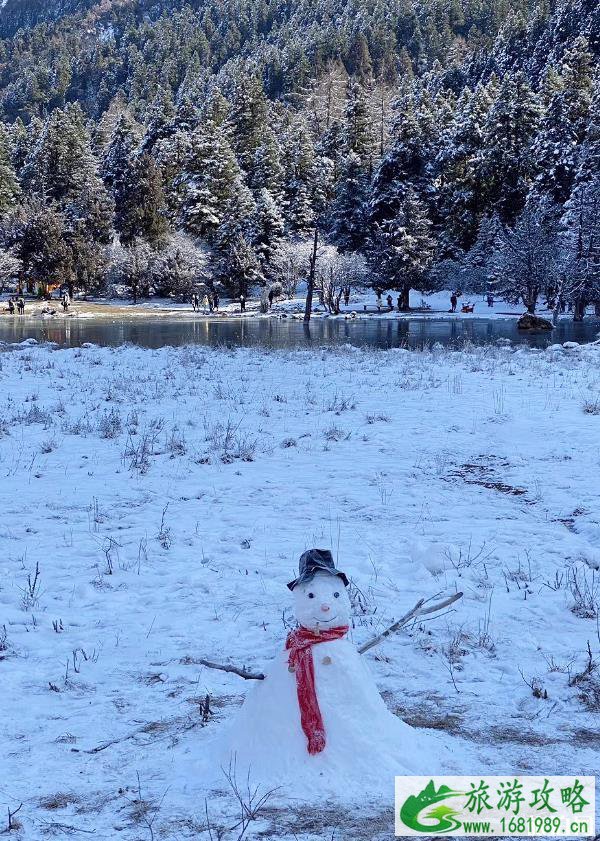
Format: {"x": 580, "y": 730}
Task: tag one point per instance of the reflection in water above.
{"x": 286, "y": 332}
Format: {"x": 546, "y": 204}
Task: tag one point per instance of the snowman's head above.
{"x": 322, "y": 602}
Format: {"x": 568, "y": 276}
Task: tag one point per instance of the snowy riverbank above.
{"x": 165, "y": 496}
{"x": 360, "y": 306}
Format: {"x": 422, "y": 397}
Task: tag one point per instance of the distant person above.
{"x": 390, "y": 302}
{"x": 11, "y": 306}
{"x": 270, "y": 296}
{"x": 242, "y": 303}
{"x": 453, "y": 302}
{"x": 205, "y": 302}
{"x": 347, "y": 295}
{"x": 66, "y": 300}
{"x": 195, "y": 302}
{"x": 490, "y": 300}
{"x": 21, "y": 305}
{"x": 216, "y": 300}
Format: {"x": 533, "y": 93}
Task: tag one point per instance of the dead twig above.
{"x": 227, "y": 667}
{"x": 153, "y": 727}
{"x": 417, "y": 610}
{"x": 12, "y": 824}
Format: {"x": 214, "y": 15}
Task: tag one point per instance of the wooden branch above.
{"x": 226, "y": 667}
{"x": 417, "y": 610}
{"x": 147, "y": 729}
{"x": 413, "y": 613}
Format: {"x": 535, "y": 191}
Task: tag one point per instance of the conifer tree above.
{"x": 403, "y": 249}
{"x": 9, "y": 186}
{"x": 461, "y": 191}
{"x": 298, "y": 161}
{"x": 248, "y": 117}
{"x": 358, "y": 136}
{"x": 563, "y": 126}
{"x": 209, "y": 178}
{"x": 267, "y": 226}
{"x": 504, "y": 165}
{"x": 349, "y": 209}
{"x": 238, "y": 267}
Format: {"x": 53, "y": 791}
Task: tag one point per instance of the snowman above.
{"x": 317, "y": 723}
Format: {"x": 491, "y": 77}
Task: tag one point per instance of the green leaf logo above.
{"x": 423, "y": 807}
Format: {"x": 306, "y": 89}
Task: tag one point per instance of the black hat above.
{"x": 313, "y": 561}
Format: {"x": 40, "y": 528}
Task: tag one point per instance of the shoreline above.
{"x": 165, "y": 309}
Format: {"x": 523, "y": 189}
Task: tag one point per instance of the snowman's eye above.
{"x": 311, "y": 595}
{"x": 336, "y": 595}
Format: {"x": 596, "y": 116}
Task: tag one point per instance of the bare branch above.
{"x": 417, "y": 610}
{"x": 227, "y": 667}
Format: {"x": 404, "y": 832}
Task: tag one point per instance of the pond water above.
{"x": 154, "y": 332}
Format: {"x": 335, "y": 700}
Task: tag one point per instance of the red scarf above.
{"x": 299, "y": 643}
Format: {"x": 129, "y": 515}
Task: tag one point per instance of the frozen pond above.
{"x": 153, "y": 332}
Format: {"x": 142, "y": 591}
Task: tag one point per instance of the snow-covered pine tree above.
{"x": 118, "y": 174}
{"x": 358, "y": 133}
{"x": 580, "y": 228}
{"x": 159, "y": 120}
{"x": 461, "y": 193}
{"x": 267, "y": 226}
{"x": 563, "y": 126}
{"x": 504, "y": 166}
{"x": 348, "y": 214}
{"x": 403, "y": 167}
{"x": 42, "y": 246}
{"x": 298, "y": 160}
{"x": 61, "y": 164}
{"x": 238, "y": 267}
{"x": 9, "y": 186}
{"x": 209, "y": 178}
{"x": 248, "y": 119}
{"x": 266, "y": 171}
{"x": 526, "y": 260}
{"x": 403, "y": 249}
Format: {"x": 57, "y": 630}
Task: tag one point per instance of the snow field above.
{"x": 165, "y": 497}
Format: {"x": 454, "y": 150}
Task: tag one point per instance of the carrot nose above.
{"x": 325, "y": 608}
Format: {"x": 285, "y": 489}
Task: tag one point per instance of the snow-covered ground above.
{"x": 164, "y": 497}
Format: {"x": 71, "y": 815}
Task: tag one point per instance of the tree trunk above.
{"x": 579, "y": 309}
{"x": 597, "y": 308}
{"x": 405, "y": 298}
{"x": 531, "y": 308}
{"x": 311, "y": 278}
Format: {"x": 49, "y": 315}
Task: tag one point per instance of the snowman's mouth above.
{"x": 324, "y": 621}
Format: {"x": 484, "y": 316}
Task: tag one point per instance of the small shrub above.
{"x": 110, "y": 424}
{"x": 592, "y": 407}
{"x": 82, "y": 426}
{"x": 339, "y": 404}
{"x": 378, "y": 418}
{"x": 176, "y": 444}
{"x": 36, "y": 415}
{"x": 4, "y": 644}
{"x": 334, "y": 433}
{"x": 48, "y": 445}
{"x": 584, "y": 585}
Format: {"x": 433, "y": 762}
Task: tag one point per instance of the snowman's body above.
{"x": 366, "y": 745}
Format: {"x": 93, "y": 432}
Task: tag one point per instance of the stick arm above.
{"x": 418, "y": 610}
